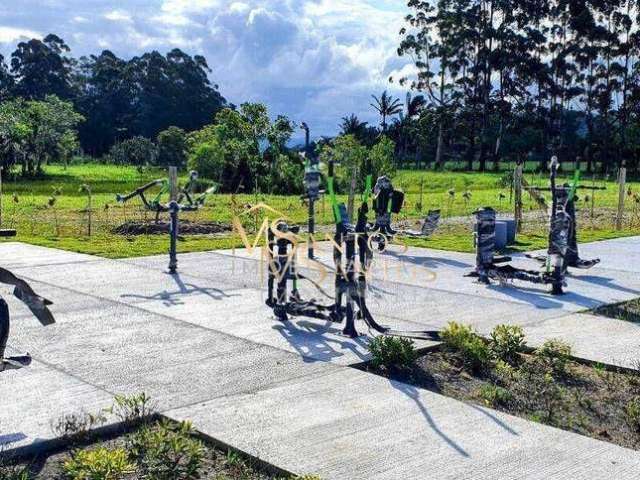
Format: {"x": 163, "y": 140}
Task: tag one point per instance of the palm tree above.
{"x": 414, "y": 105}
{"x": 386, "y": 106}
{"x": 352, "y": 125}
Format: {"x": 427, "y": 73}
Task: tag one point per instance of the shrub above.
{"x": 13, "y": 472}
{"x": 506, "y": 342}
{"x": 138, "y": 151}
{"x": 465, "y": 342}
{"x": 167, "y": 451}
{"x": 494, "y": 395}
{"x": 632, "y": 414}
{"x": 77, "y": 426}
{"x": 392, "y": 352}
{"x": 98, "y": 464}
{"x": 555, "y": 355}
{"x": 132, "y": 408}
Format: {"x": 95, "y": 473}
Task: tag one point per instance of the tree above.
{"x": 6, "y": 81}
{"x": 138, "y": 151}
{"x": 40, "y": 68}
{"x": 387, "y": 107}
{"x": 172, "y": 147}
{"x": 381, "y": 157}
{"x": 350, "y": 155}
{"x": 352, "y": 125}
{"x": 34, "y": 132}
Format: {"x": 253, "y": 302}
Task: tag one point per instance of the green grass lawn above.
{"x": 64, "y": 225}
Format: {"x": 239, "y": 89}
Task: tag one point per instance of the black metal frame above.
{"x": 489, "y": 267}
{"x": 37, "y": 305}
{"x": 174, "y": 207}
{"x": 387, "y": 201}
{"x": 352, "y": 257}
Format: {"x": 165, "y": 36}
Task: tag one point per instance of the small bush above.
{"x": 494, "y": 395}
{"x": 167, "y": 451}
{"x": 554, "y": 354}
{"x": 77, "y": 426}
{"x": 632, "y": 414}
{"x": 392, "y": 352}
{"x": 13, "y": 472}
{"x": 98, "y": 464}
{"x": 133, "y": 408}
{"x": 465, "y": 342}
{"x": 506, "y": 342}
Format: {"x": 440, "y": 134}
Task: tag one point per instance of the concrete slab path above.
{"x": 205, "y": 347}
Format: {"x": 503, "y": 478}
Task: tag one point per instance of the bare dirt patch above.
{"x": 144, "y": 227}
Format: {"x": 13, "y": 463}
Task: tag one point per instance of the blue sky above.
{"x": 313, "y": 60}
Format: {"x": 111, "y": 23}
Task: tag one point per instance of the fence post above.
{"x": 622, "y": 180}
{"x": 517, "y": 189}
{"x": 173, "y": 214}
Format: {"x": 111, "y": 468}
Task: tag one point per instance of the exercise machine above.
{"x": 38, "y": 306}
{"x": 180, "y": 200}
{"x": 491, "y": 267}
{"x": 572, "y": 258}
{"x": 312, "y": 182}
{"x": 352, "y": 257}
{"x": 387, "y": 201}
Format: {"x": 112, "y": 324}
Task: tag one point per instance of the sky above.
{"x": 312, "y": 60}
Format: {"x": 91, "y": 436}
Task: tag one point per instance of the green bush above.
{"x": 554, "y": 355}
{"x": 98, "y": 464}
{"x": 167, "y": 451}
{"x": 392, "y": 353}
{"x": 494, "y": 395}
{"x": 506, "y": 342}
{"x": 632, "y": 414}
{"x": 466, "y": 343}
{"x": 138, "y": 151}
{"x": 13, "y": 472}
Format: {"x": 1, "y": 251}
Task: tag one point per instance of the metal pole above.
{"x": 622, "y": 180}
{"x": 312, "y": 228}
{"x": 517, "y": 188}
{"x": 174, "y": 208}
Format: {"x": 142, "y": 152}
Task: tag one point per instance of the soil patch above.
{"x": 628, "y": 311}
{"x": 598, "y": 402}
{"x": 216, "y": 463}
{"x": 186, "y": 228}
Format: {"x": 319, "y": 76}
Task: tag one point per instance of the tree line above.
{"x": 117, "y": 98}
{"x": 498, "y": 80}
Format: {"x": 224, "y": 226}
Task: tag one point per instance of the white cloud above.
{"x": 314, "y": 60}
{"x": 11, "y": 34}
{"x": 118, "y": 16}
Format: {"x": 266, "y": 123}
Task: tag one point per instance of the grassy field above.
{"x": 65, "y": 223}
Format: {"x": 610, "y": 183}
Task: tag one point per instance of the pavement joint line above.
{"x": 178, "y": 320}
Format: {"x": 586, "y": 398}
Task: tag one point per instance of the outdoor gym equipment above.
{"x": 387, "y": 201}
{"x": 489, "y": 267}
{"x": 312, "y": 182}
{"x": 37, "y": 305}
{"x": 572, "y": 258}
{"x": 352, "y": 257}
{"x": 180, "y": 200}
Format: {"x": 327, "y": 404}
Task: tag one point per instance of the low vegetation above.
{"x": 146, "y": 448}
{"x": 544, "y": 384}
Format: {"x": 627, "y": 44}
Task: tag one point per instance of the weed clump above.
{"x": 554, "y": 355}
{"x": 167, "y": 451}
{"x": 98, "y": 464}
{"x": 392, "y": 353}
{"x": 507, "y": 341}
{"x": 472, "y": 349}
{"x": 493, "y": 395}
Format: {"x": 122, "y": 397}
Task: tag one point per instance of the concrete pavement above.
{"x": 205, "y": 347}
